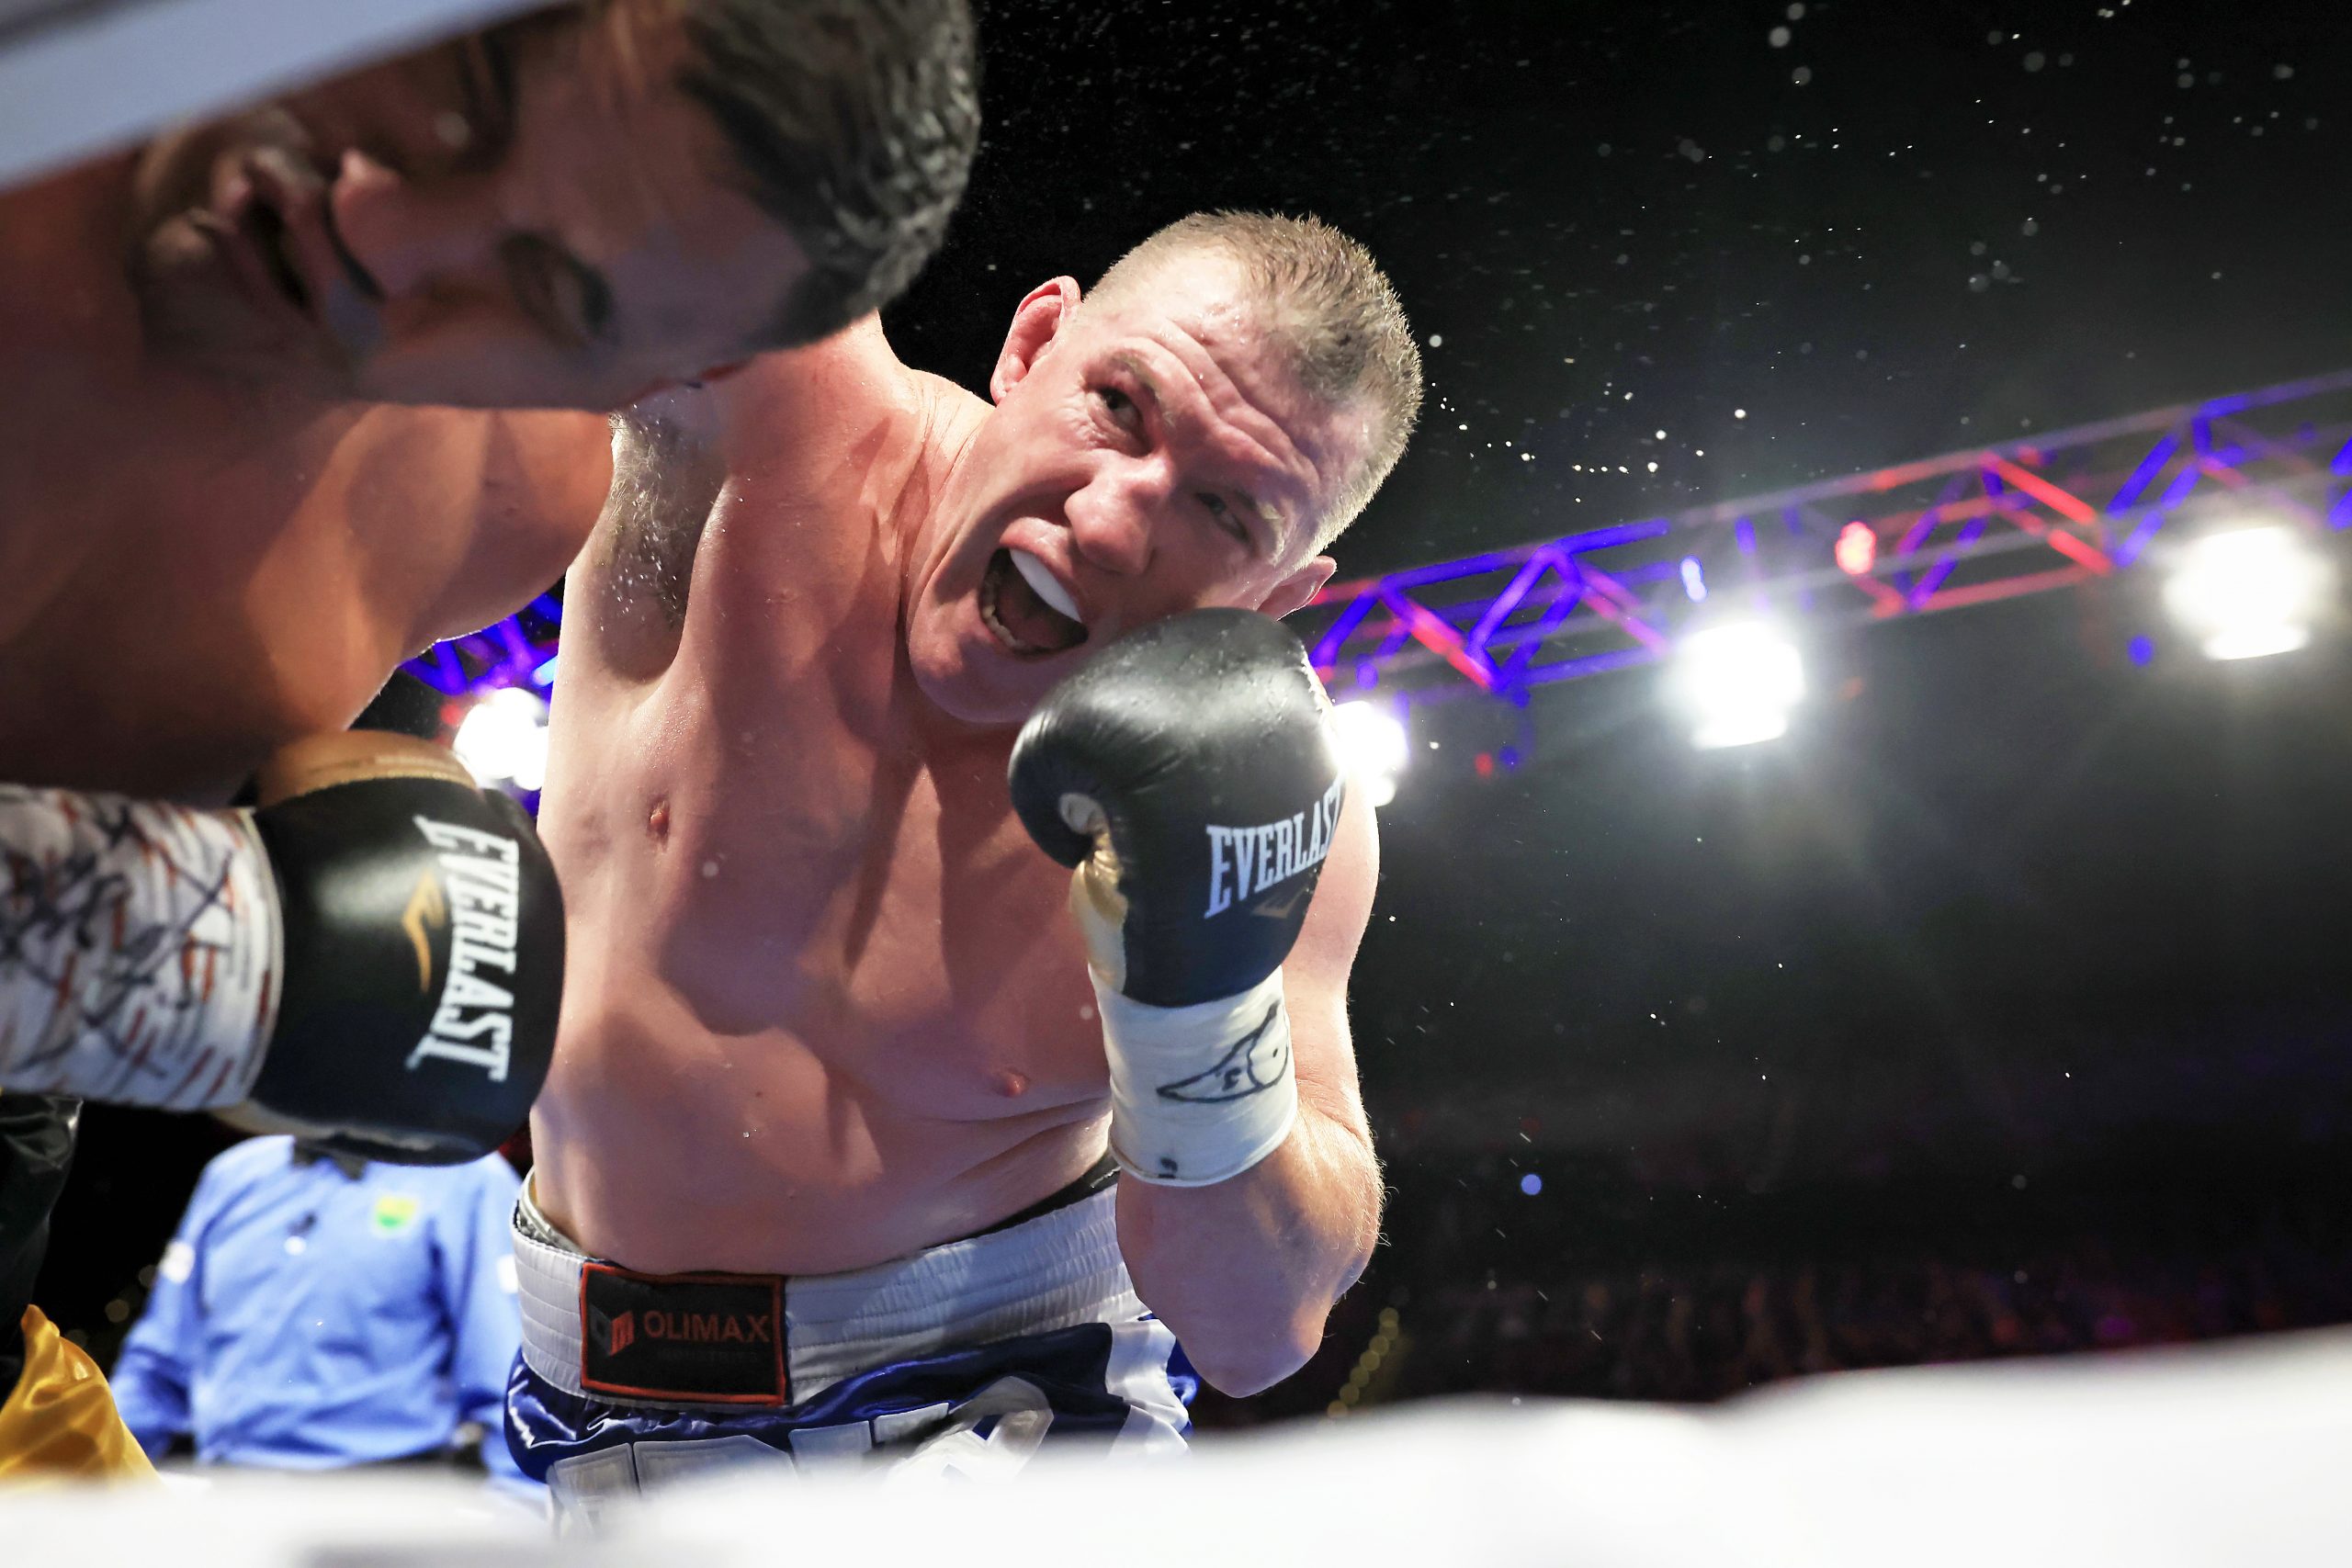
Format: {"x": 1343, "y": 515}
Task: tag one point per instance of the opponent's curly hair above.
{"x": 852, "y": 122}
{"x": 1322, "y": 298}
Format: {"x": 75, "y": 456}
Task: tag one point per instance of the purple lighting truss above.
{"x": 517, "y": 651}
{"x": 1977, "y": 525}
{"x": 1988, "y": 523}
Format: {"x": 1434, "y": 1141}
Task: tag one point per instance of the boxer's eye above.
{"x": 563, "y": 294}
{"x": 1226, "y": 518}
{"x": 1121, "y": 408}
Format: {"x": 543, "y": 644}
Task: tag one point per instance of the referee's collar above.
{"x": 307, "y": 1153}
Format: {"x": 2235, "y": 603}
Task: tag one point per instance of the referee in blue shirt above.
{"x": 315, "y": 1312}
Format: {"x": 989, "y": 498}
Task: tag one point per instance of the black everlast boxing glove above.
{"x": 1190, "y": 775}
{"x": 422, "y": 953}
{"x": 372, "y": 956}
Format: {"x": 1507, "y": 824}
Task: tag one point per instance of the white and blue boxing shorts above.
{"x": 965, "y": 1358}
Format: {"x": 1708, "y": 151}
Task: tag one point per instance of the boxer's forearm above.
{"x": 1245, "y": 1272}
{"x": 137, "y": 949}
{"x": 373, "y": 952}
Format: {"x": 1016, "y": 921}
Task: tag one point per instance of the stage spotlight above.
{"x": 1372, "y": 747}
{"x": 2246, "y": 592}
{"x": 503, "y": 740}
{"x": 1737, "y": 683}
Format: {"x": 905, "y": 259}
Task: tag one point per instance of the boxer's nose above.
{"x": 411, "y": 236}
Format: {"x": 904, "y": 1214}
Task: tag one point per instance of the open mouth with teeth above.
{"x": 1028, "y": 611}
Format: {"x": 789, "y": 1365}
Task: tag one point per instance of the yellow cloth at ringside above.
{"x": 61, "y": 1424}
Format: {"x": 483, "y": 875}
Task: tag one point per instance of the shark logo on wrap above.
{"x": 473, "y": 1022}
{"x": 1252, "y": 1065}
{"x": 1246, "y": 862}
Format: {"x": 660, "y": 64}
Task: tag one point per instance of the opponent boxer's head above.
{"x": 1220, "y": 406}
{"x": 566, "y": 210}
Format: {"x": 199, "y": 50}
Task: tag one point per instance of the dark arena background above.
{"x": 1999, "y": 1006}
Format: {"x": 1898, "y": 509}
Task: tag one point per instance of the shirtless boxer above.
{"x": 827, "y": 1014}
{"x": 225, "y": 516}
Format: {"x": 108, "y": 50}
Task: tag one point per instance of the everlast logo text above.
{"x": 1245, "y": 862}
{"x": 474, "y": 1021}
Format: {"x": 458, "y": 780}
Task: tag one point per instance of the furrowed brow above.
{"x": 1134, "y": 366}
{"x": 1267, "y": 512}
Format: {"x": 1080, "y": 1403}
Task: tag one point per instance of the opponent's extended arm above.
{"x": 1191, "y": 775}
{"x": 372, "y": 956}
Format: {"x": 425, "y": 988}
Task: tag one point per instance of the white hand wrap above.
{"x": 1198, "y": 1094}
{"x": 139, "y": 950}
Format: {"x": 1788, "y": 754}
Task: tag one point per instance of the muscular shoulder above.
{"x": 793, "y": 436}
{"x": 800, "y": 411}
{"x": 782, "y": 420}
{"x": 841, "y": 427}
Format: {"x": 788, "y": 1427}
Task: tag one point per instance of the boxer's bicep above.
{"x": 1314, "y": 975}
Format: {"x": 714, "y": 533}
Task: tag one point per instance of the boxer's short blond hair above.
{"x": 1335, "y": 314}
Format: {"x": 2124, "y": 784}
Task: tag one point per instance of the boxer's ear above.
{"x": 1292, "y": 592}
{"x": 1040, "y": 318}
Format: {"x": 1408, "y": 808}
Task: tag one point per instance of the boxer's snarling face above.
{"x": 1146, "y": 455}
{"x": 533, "y": 217}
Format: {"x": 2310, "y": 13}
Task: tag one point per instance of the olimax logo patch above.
{"x": 394, "y": 1212}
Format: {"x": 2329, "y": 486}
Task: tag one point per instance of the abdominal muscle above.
{"x": 675, "y": 1151}
{"x": 817, "y": 1020}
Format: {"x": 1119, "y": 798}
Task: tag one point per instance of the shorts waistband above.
{"x": 1102, "y": 1173}
{"x": 1056, "y": 1271}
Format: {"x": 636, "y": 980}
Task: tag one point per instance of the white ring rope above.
{"x": 82, "y": 77}
{"x": 2223, "y": 1455}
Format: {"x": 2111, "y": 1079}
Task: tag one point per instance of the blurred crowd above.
{"x": 1707, "y": 1330}
{"x": 1594, "y": 1282}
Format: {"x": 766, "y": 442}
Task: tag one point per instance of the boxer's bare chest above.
{"x": 917, "y": 938}
{"x": 812, "y": 950}
{"x": 786, "y": 838}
